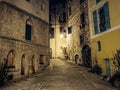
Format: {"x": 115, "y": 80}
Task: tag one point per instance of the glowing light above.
{"x": 61, "y": 35}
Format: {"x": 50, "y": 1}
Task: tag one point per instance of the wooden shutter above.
{"x": 95, "y": 22}
{"x": 107, "y": 17}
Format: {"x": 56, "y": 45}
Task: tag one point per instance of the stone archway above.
{"x": 23, "y": 65}
{"x": 86, "y": 56}
{"x": 33, "y": 64}
{"x": 76, "y": 58}
{"x": 11, "y": 58}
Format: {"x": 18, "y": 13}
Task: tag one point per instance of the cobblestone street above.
{"x": 61, "y": 75}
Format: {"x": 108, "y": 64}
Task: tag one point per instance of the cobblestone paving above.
{"x": 61, "y": 75}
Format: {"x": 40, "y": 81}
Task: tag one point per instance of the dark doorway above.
{"x": 76, "y": 58}
{"x": 86, "y": 56}
{"x": 23, "y": 65}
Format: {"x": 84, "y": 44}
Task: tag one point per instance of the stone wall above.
{"x": 12, "y": 37}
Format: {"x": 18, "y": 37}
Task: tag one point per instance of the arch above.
{"x": 86, "y": 56}
{"x": 76, "y": 58}
{"x": 11, "y": 58}
{"x": 23, "y": 65}
{"x": 28, "y": 31}
{"x": 33, "y": 64}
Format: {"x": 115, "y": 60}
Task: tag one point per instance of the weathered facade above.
{"x": 105, "y": 31}
{"x": 58, "y": 31}
{"x": 78, "y": 40}
{"x": 76, "y": 44}
{"x": 24, "y": 39}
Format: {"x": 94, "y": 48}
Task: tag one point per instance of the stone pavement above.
{"x": 61, "y": 75}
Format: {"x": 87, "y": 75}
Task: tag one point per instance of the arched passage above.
{"x": 86, "y": 56}
{"x": 23, "y": 65}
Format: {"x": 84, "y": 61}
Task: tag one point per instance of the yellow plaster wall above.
{"x": 109, "y": 44}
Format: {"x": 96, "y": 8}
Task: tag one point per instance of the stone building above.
{"x": 73, "y": 24}
{"x": 76, "y": 45}
{"x": 58, "y": 17}
{"x": 24, "y": 39}
{"x": 78, "y": 32}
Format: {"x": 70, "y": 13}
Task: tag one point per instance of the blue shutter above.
{"x": 95, "y": 22}
{"x": 107, "y": 17}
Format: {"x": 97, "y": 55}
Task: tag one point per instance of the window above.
{"x": 42, "y": 59}
{"x": 104, "y": 20}
{"x": 62, "y": 32}
{"x": 81, "y": 1}
{"x": 99, "y": 45}
{"x": 97, "y": 1}
{"x": 95, "y": 22}
{"x": 62, "y": 17}
{"x": 42, "y": 5}
{"x": 81, "y": 38}
{"x": 51, "y": 32}
{"x": 69, "y": 11}
{"x": 28, "y": 32}
{"x": 70, "y": 30}
{"x": 82, "y": 18}
{"x": 28, "y": 0}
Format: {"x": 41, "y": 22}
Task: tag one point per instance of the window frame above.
{"x": 28, "y": 32}
{"x": 106, "y": 24}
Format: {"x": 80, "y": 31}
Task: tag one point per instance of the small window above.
{"x": 82, "y": 18}
{"x": 28, "y": 32}
{"x": 99, "y": 45}
{"x": 62, "y": 17}
{"x": 69, "y": 30}
{"x": 81, "y": 38}
{"x": 97, "y": 1}
{"x": 41, "y": 59}
{"x": 51, "y": 32}
{"x": 69, "y": 11}
{"x": 28, "y": 0}
{"x": 42, "y": 5}
{"x": 81, "y": 1}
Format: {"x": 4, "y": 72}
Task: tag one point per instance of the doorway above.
{"x": 23, "y": 65}
{"x": 86, "y": 56}
{"x": 107, "y": 61}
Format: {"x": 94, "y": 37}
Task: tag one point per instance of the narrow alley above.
{"x": 61, "y": 75}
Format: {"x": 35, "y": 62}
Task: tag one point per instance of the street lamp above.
{"x": 61, "y": 36}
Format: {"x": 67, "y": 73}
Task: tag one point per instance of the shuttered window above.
{"x": 95, "y": 22}
{"x": 104, "y": 19}
{"x": 107, "y": 17}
